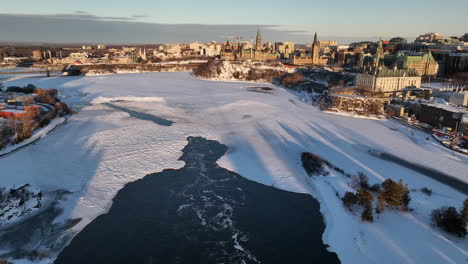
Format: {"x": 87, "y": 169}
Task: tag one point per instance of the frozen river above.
{"x": 132, "y": 128}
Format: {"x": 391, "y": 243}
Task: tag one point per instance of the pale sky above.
{"x": 116, "y": 21}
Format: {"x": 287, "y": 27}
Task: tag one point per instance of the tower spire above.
{"x": 315, "y": 50}
{"x": 258, "y": 43}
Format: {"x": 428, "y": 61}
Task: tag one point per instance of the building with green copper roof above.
{"x": 423, "y": 62}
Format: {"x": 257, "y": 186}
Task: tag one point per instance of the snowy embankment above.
{"x": 118, "y": 71}
{"x": 165, "y": 66}
{"x": 238, "y": 71}
{"x": 38, "y": 134}
{"x": 103, "y": 148}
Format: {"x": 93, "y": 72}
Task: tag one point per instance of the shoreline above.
{"x": 40, "y": 133}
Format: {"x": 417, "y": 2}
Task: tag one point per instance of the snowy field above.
{"x": 101, "y": 148}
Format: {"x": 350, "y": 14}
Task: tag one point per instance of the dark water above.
{"x": 202, "y": 213}
{"x": 142, "y": 116}
{"x": 38, "y": 236}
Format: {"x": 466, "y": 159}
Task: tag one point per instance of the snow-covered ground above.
{"x": 101, "y": 148}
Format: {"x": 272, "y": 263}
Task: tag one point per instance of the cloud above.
{"x": 140, "y": 16}
{"x": 88, "y": 28}
{"x": 77, "y": 15}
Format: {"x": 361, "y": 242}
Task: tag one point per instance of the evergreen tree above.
{"x": 365, "y": 197}
{"x": 394, "y": 194}
{"x": 350, "y": 199}
{"x": 363, "y": 181}
{"x": 449, "y": 220}
{"x": 367, "y": 213}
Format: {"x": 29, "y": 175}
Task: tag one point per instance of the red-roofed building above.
{"x": 12, "y": 113}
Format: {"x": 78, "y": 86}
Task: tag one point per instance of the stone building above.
{"x": 383, "y": 79}
{"x": 244, "y": 52}
{"x": 285, "y": 48}
{"x": 315, "y": 50}
{"x": 227, "y": 52}
{"x": 254, "y": 55}
{"x": 372, "y": 61}
{"x": 423, "y": 63}
{"x": 327, "y": 43}
{"x": 313, "y": 59}
{"x": 258, "y": 42}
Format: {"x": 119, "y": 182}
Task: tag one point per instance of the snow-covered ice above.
{"x": 100, "y": 149}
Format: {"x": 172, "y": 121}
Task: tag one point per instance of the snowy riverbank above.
{"x": 38, "y": 134}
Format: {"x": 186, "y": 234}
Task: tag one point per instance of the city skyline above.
{"x": 146, "y": 21}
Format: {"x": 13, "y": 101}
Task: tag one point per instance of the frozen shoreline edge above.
{"x": 40, "y": 133}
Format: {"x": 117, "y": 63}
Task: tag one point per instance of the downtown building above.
{"x": 383, "y": 79}
{"x": 244, "y": 51}
{"x": 313, "y": 59}
{"x": 423, "y": 62}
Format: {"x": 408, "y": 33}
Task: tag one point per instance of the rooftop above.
{"x": 449, "y": 107}
{"x": 387, "y": 72}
